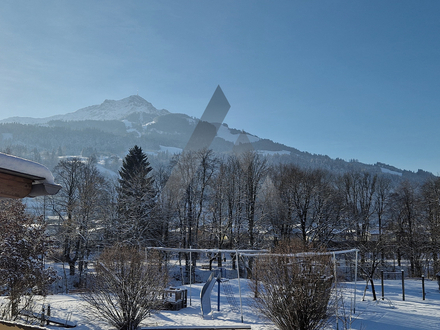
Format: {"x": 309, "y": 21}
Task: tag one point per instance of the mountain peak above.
{"x": 107, "y": 110}
{"x": 114, "y": 109}
{"x": 132, "y": 99}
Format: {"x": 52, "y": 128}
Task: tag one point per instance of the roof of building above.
{"x": 21, "y": 178}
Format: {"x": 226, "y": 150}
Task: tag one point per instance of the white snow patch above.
{"x": 105, "y": 171}
{"x": 385, "y": 170}
{"x": 225, "y": 133}
{"x": 191, "y": 121}
{"x": 252, "y": 138}
{"x": 171, "y": 150}
{"x": 131, "y": 130}
{"x": 128, "y": 124}
{"x": 71, "y": 157}
{"x": 145, "y": 126}
{"x": 157, "y": 131}
{"x": 271, "y": 153}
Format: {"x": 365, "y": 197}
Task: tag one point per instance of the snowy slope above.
{"x": 225, "y": 133}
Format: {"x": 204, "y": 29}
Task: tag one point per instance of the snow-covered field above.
{"x": 391, "y": 313}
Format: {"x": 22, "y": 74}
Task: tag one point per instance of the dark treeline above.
{"x": 240, "y": 201}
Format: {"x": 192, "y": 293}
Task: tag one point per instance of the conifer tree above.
{"x": 136, "y": 198}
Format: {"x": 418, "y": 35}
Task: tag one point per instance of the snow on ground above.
{"x": 225, "y": 133}
{"x": 390, "y": 314}
{"x": 106, "y": 172}
{"x": 128, "y": 124}
{"x": 171, "y": 150}
{"x": 385, "y": 170}
{"x": 271, "y": 153}
{"x": 393, "y": 313}
{"x": 132, "y": 130}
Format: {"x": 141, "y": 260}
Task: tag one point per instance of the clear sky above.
{"x": 349, "y": 79}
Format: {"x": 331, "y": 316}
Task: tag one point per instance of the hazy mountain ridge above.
{"x": 112, "y": 127}
{"x": 107, "y": 110}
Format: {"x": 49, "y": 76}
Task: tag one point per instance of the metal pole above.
{"x": 190, "y": 273}
{"x": 239, "y": 286}
{"x": 218, "y": 295}
{"x": 336, "y": 284}
{"x": 355, "y": 281}
{"x": 48, "y": 314}
{"x": 381, "y": 283}
{"x": 403, "y": 285}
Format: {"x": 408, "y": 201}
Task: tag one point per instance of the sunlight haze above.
{"x": 348, "y": 79}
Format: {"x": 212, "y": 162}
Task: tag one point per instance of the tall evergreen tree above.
{"x": 136, "y": 198}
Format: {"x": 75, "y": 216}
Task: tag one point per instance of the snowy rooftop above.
{"x": 24, "y": 178}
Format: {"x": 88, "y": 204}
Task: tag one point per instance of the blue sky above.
{"x": 349, "y": 79}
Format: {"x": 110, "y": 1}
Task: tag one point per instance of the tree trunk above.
{"x": 373, "y": 290}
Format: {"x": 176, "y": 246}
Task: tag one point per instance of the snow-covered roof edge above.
{"x": 43, "y": 182}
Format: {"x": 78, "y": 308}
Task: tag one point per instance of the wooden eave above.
{"x": 21, "y": 178}
{"x": 14, "y": 186}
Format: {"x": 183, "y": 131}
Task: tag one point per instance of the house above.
{"x": 21, "y": 178}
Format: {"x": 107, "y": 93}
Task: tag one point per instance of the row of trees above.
{"x": 202, "y": 200}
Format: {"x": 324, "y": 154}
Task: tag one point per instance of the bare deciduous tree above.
{"x": 308, "y": 204}
{"x": 358, "y": 190}
{"x": 431, "y": 207}
{"x": 127, "y": 287}
{"x": 23, "y": 245}
{"x": 80, "y": 206}
{"x": 253, "y": 172}
{"x": 407, "y": 224}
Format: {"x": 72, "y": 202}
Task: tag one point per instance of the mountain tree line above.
{"x": 240, "y": 201}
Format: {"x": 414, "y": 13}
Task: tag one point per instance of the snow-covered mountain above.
{"x": 136, "y": 117}
{"x": 115, "y": 110}
{"x": 112, "y": 127}
{"x": 123, "y": 122}
{"x": 107, "y": 110}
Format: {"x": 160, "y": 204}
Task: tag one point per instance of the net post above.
{"x": 403, "y": 285}
{"x": 239, "y": 286}
{"x": 381, "y": 283}
{"x": 190, "y": 273}
{"x": 355, "y": 281}
{"x": 336, "y": 290}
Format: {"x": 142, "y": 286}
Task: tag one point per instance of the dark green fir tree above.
{"x": 136, "y": 199}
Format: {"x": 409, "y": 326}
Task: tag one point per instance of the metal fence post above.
{"x": 381, "y": 282}
{"x": 403, "y": 285}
